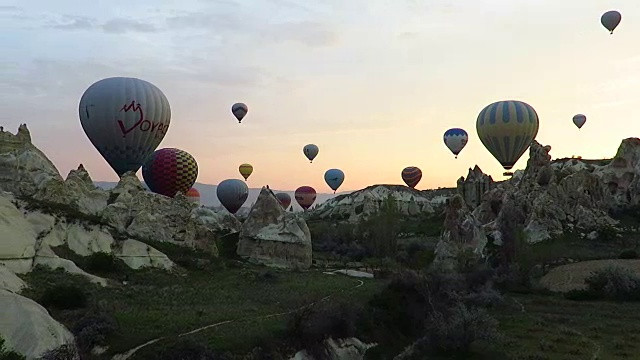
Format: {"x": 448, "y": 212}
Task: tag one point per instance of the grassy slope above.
{"x": 156, "y": 304}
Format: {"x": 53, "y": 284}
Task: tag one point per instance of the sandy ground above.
{"x": 571, "y": 276}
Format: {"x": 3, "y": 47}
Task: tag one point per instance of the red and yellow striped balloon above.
{"x": 411, "y": 176}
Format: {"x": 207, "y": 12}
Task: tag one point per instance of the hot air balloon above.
{"x": 125, "y": 119}
{"x": 579, "y": 120}
{"x": 232, "y": 194}
{"x": 245, "y": 170}
{"x": 506, "y": 129}
{"x": 169, "y": 171}
{"x": 284, "y": 199}
{"x": 193, "y": 195}
{"x": 334, "y": 178}
{"x": 456, "y": 139}
{"x": 411, "y": 176}
{"x": 310, "y": 151}
{"x": 239, "y": 110}
{"x": 610, "y": 20}
{"x": 305, "y": 196}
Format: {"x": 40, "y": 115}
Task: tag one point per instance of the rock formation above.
{"x": 273, "y": 236}
{"x": 474, "y": 186}
{"x": 462, "y": 236}
{"x": 363, "y": 203}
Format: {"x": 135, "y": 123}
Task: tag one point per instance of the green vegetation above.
{"x": 7, "y": 354}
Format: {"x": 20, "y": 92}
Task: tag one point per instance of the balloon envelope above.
{"x": 579, "y": 120}
{"x": 246, "y": 170}
{"x": 125, "y": 119}
{"x": 169, "y": 171}
{"x": 506, "y": 129}
{"x": 193, "y": 195}
{"x": 334, "y": 178}
{"x": 610, "y": 20}
{"x": 239, "y": 110}
{"x": 310, "y": 151}
{"x": 232, "y": 194}
{"x": 284, "y": 199}
{"x": 456, "y": 139}
{"x": 305, "y": 196}
{"x": 411, "y": 176}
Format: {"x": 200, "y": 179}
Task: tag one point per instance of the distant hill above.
{"x": 208, "y": 195}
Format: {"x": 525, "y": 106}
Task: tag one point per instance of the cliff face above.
{"x": 474, "y": 186}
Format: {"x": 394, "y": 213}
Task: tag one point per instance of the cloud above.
{"x": 113, "y": 26}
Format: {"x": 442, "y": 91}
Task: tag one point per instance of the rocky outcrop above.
{"x": 463, "y": 236}
{"x": 621, "y": 177}
{"x": 345, "y": 349}
{"x": 368, "y": 201}
{"x": 473, "y": 188}
{"x": 554, "y": 200}
{"x": 274, "y": 237}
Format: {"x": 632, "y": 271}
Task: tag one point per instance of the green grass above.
{"x": 554, "y": 328}
{"x": 157, "y": 304}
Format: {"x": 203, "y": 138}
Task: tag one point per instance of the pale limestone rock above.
{"x": 28, "y": 328}
{"x": 10, "y": 281}
{"x": 473, "y": 188}
{"x": 138, "y": 255}
{"x": 46, "y": 257}
{"x": 274, "y": 237}
{"x": 17, "y": 237}
{"x": 86, "y": 241}
{"x": 23, "y": 168}
{"x": 343, "y": 349}
{"x": 462, "y": 233}
{"x": 366, "y": 202}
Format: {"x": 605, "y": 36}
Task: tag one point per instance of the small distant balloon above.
{"x": 579, "y": 120}
{"x": 334, "y": 178}
{"x": 610, "y": 20}
{"x": 193, "y": 195}
{"x": 125, "y": 119}
{"x": 169, "y": 171}
{"x": 305, "y": 196}
{"x": 232, "y": 194}
{"x": 411, "y": 176}
{"x": 310, "y": 151}
{"x": 239, "y": 110}
{"x": 284, "y": 199}
{"x": 456, "y": 139}
{"x": 245, "y": 170}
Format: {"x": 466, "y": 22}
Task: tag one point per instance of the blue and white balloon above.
{"x": 334, "y": 178}
{"x": 456, "y": 139}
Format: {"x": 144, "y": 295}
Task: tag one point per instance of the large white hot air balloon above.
{"x": 232, "y": 194}
{"x": 125, "y": 119}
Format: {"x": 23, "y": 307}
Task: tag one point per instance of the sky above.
{"x": 373, "y": 83}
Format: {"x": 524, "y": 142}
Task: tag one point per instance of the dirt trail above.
{"x": 126, "y": 355}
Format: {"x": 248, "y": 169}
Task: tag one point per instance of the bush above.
{"x": 64, "y": 297}
{"x": 310, "y": 327}
{"x": 628, "y": 254}
{"x": 8, "y": 354}
{"x": 453, "y": 332}
{"x": 93, "y": 329}
{"x": 610, "y": 283}
{"x": 101, "y": 263}
{"x": 64, "y": 352}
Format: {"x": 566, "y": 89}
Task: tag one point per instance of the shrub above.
{"x": 310, "y": 327}
{"x": 611, "y": 283}
{"x": 101, "y": 263}
{"x": 628, "y": 254}
{"x": 93, "y": 329}
{"x": 6, "y": 354}
{"x": 64, "y": 352}
{"x": 454, "y": 331}
{"x": 64, "y": 297}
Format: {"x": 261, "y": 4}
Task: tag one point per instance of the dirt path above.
{"x": 126, "y": 355}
